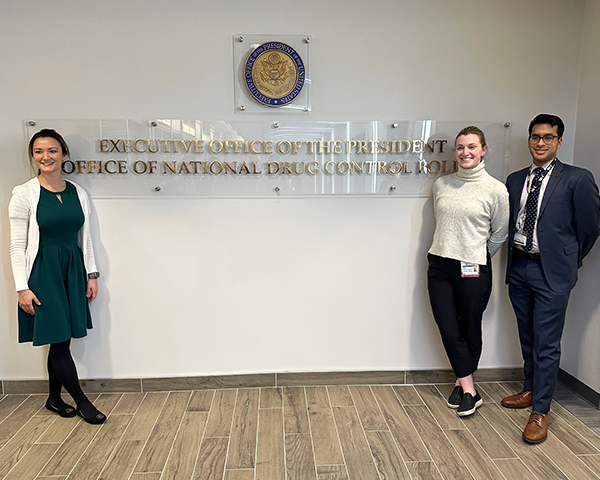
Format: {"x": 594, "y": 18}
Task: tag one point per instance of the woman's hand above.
{"x": 26, "y": 300}
{"x": 92, "y": 289}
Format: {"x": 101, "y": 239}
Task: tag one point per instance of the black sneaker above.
{"x": 469, "y": 404}
{"x": 455, "y": 397}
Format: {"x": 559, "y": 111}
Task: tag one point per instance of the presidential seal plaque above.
{"x": 274, "y": 74}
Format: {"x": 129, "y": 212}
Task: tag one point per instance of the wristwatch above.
{"x": 93, "y": 275}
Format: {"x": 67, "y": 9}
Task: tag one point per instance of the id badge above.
{"x": 520, "y": 239}
{"x": 469, "y": 269}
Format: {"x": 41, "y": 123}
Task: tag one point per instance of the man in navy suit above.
{"x": 554, "y": 222}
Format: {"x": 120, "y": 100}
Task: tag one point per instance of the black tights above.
{"x": 62, "y": 373}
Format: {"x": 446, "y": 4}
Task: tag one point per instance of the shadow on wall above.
{"x": 423, "y": 329}
{"x": 93, "y": 353}
{"x": 580, "y": 355}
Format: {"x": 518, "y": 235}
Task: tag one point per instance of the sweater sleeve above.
{"x": 18, "y": 213}
{"x": 85, "y": 236}
{"x": 499, "y": 222}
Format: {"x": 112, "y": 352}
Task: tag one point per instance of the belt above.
{"x": 530, "y": 256}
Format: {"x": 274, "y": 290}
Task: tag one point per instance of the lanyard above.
{"x": 546, "y": 171}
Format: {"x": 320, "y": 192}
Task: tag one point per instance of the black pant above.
{"x": 458, "y": 304}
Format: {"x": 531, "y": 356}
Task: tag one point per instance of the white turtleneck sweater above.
{"x": 471, "y": 213}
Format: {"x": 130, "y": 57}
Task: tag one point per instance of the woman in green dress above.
{"x": 54, "y": 269}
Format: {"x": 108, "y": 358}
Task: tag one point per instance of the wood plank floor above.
{"x": 339, "y": 432}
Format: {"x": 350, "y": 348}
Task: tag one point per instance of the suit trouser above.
{"x": 540, "y": 316}
{"x": 458, "y": 304}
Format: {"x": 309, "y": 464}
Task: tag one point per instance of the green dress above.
{"x": 58, "y": 277}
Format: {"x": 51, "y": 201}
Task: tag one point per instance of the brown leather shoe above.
{"x": 522, "y": 399}
{"x": 536, "y": 429}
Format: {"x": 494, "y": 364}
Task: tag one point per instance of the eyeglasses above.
{"x": 546, "y": 138}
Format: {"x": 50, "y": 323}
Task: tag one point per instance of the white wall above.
{"x": 581, "y": 340}
{"x": 194, "y": 287}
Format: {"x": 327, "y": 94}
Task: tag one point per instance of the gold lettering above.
{"x": 384, "y": 146}
{"x": 403, "y": 142}
{"x": 135, "y": 147}
{"x": 297, "y": 146}
{"x": 421, "y": 166}
{"x": 370, "y": 164}
{"x": 296, "y": 168}
{"x": 374, "y": 144}
{"x": 325, "y": 146}
{"x": 71, "y": 166}
{"x": 441, "y": 143}
{"x": 152, "y": 164}
{"x": 381, "y": 166}
{"x": 184, "y": 168}
{"x": 444, "y": 167}
{"x": 229, "y": 167}
{"x": 244, "y": 169}
{"x": 103, "y": 145}
{"x": 288, "y": 146}
{"x": 80, "y": 165}
{"x": 339, "y": 167}
{"x": 106, "y": 165}
{"x": 312, "y": 172}
{"x": 391, "y": 167}
{"x": 127, "y": 145}
{"x": 357, "y": 167}
{"x": 419, "y": 148}
{"x": 150, "y": 149}
{"x": 195, "y": 164}
{"x": 330, "y": 172}
{"x": 255, "y": 170}
{"x": 91, "y": 164}
{"x": 115, "y": 145}
{"x": 228, "y": 146}
{"x": 199, "y": 146}
{"x": 311, "y": 145}
{"x": 239, "y": 144}
{"x": 362, "y": 146}
{"x": 210, "y": 167}
{"x": 252, "y": 146}
{"x": 165, "y": 145}
{"x": 351, "y": 144}
{"x": 285, "y": 168}
{"x": 167, "y": 166}
{"x": 139, "y": 170}
{"x": 434, "y": 162}
{"x": 122, "y": 166}
{"x": 406, "y": 167}
{"x": 212, "y": 148}
{"x": 268, "y": 144}
{"x": 269, "y": 164}
{"x": 186, "y": 149}
{"x": 337, "y": 146}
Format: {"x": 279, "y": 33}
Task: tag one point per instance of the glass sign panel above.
{"x": 174, "y": 157}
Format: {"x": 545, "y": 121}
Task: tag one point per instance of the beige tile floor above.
{"x": 292, "y": 433}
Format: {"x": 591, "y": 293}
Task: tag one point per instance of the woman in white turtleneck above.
{"x": 471, "y": 213}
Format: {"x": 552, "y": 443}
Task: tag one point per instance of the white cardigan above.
{"x": 25, "y": 231}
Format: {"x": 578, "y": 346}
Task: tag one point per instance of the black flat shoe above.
{"x": 97, "y": 419}
{"x": 455, "y": 397}
{"x": 66, "y": 412}
{"x": 469, "y": 404}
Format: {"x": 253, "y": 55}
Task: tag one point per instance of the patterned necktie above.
{"x": 531, "y": 207}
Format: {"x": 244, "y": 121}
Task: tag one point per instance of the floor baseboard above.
{"x": 398, "y": 377}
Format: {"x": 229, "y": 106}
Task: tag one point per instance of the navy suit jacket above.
{"x": 568, "y": 221}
